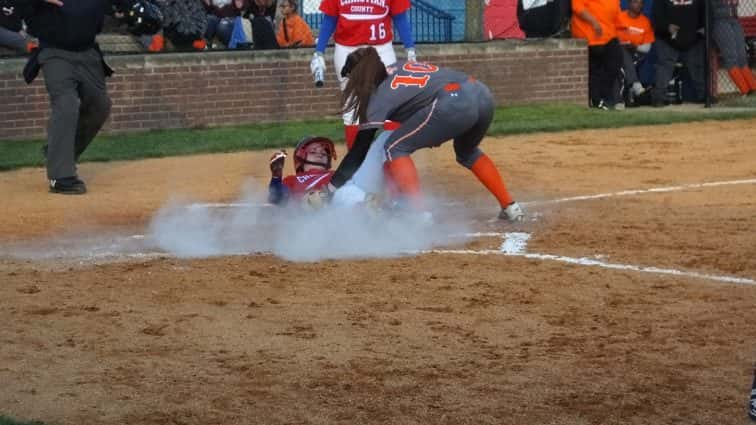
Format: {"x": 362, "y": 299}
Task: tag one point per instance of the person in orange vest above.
{"x": 635, "y": 35}
{"x": 293, "y": 31}
{"x": 595, "y": 21}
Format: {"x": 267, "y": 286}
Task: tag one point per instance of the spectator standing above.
{"x": 730, "y": 39}
{"x": 500, "y": 20}
{"x": 635, "y": 35}
{"x": 220, "y": 18}
{"x": 595, "y": 21}
{"x": 293, "y": 31}
{"x": 74, "y": 72}
{"x": 359, "y": 25}
{"x": 678, "y": 27}
{"x": 11, "y": 26}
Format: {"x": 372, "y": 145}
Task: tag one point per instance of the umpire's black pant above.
{"x": 604, "y": 63}
{"x": 79, "y": 106}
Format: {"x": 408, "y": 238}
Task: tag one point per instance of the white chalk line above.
{"x": 597, "y": 263}
{"x": 631, "y": 192}
{"x": 570, "y": 260}
{"x": 582, "y": 261}
{"x": 641, "y": 191}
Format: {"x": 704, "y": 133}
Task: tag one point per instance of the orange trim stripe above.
{"x": 399, "y": 140}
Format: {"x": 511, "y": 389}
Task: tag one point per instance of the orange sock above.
{"x": 748, "y": 76}
{"x": 31, "y": 46}
{"x": 157, "y": 44}
{"x": 737, "y": 77}
{"x": 350, "y": 134}
{"x": 391, "y": 188}
{"x": 485, "y": 170}
{"x": 404, "y": 175}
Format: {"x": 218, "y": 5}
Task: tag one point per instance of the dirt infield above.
{"x": 576, "y": 332}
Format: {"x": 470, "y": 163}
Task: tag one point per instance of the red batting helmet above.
{"x": 300, "y": 152}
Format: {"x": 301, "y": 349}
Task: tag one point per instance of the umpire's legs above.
{"x": 95, "y": 102}
{"x": 60, "y": 81}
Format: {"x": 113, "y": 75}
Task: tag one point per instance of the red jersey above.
{"x": 363, "y": 21}
{"x": 307, "y": 181}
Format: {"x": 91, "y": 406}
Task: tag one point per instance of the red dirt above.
{"x": 442, "y": 339}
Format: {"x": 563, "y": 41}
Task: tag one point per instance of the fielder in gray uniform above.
{"x": 432, "y": 105}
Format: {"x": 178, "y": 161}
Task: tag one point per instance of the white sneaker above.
{"x": 512, "y": 213}
{"x": 637, "y": 89}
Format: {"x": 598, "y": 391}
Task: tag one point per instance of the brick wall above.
{"x": 222, "y": 88}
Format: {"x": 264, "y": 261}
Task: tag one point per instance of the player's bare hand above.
{"x": 55, "y": 2}
{"x": 277, "y": 161}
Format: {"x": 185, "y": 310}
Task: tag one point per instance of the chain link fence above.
{"x": 732, "y": 47}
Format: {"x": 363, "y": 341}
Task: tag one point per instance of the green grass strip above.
{"x": 508, "y": 121}
{"x": 4, "y": 420}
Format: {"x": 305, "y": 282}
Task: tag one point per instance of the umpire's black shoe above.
{"x": 68, "y": 186}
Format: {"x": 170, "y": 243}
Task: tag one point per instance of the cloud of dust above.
{"x": 295, "y": 234}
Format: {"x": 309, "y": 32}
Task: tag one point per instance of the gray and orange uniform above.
{"x": 433, "y": 105}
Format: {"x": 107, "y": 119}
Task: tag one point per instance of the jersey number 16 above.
{"x": 378, "y": 33}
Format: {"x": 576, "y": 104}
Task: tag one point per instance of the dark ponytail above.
{"x": 365, "y": 71}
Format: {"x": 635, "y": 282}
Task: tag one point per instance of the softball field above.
{"x": 627, "y": 297}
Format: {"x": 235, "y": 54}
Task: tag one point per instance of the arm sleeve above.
{"x": 401, "y": 21}
{"x": 327, "y": 27}
{"x": 354, "y": 158}
{"x": 278, "y": 193}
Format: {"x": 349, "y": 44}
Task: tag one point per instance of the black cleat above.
{"x": 68, "y": 186}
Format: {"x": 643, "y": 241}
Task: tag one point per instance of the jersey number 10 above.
{"x": 413, "y": 80}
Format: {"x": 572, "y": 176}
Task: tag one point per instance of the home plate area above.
{"x": 626, "y": 297}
